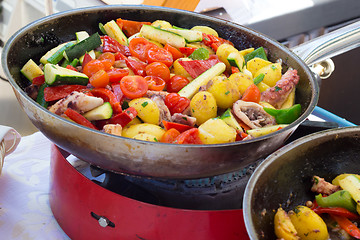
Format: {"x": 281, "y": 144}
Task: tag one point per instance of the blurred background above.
{"x": 290, "y": 22}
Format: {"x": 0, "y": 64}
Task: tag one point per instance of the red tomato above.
{"x": 99, "y": 79}
{"x": 155, "y": 83}
{"x": 176, "y": 103}
{"x": 252, "y": 94}
{"x": 190, "y": 136}
{"x": 138, "y": 48}
{"x": 107, "y": 59}
{"x": 187, "y": 51}
{"x": 170, "y": 135}
{"x": 133, "y": 86}
{"x": 158, "y": 69}
{"x": 174, "y": 51}
{"x": 116, "y": 74}
{"x": 157, "y": 54}
{"x": 92, "y": 67}
{"x": 176, "y": 83}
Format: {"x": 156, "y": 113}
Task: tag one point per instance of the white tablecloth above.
{"x": 24, "y": 193}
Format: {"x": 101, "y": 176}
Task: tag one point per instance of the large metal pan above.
{"x": 120, "y": 154}
{"x": 285, "y": 176}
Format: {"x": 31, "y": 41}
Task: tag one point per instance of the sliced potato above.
{"x": 223, "y": 52}
{"x": 258, "y": 132}
{"x": 146, "y": 137}
{"x": 242, "y": 80}
{"x": 272, "y": 73}
{"x": 161, "y": 24}
{"x": 143, "y": 128}
{"x": 255, "y": 64}
{"x": 290, "y": 100}
{"x": 216, "y": 131}
{"x": 308, "y": 224}
{"x": 180, "y": 70}
{"x": 206, "y": 30}
{"x": 225, "y": 91}
{"x": 203, "y": 107}
{"x": 246, "y": 51}
{"x": 147, "y": 110}
{"x": 284, "y": 229}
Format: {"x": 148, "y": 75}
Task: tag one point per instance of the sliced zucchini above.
{"x": 236, "y": 60}
{"x": 80, "y": 48}
{"x": 162, "y": 36}
{"x": 190, "y": 89}
{"x": 104, "y": 111}
{"x": 31, "y": 70}
{"x": 351, "y": 184}
{"x": 59, "y": 54}
{"x": 206, "y": 30}
{"x": 258, "y": 132}
{"x": 55, "y": 75}
{"x": 230, "y": 120}
{"x": 189, "y": 35}
{"x": 44, "y": 59}
{"x": 82, "y": 35}
{"x": 113, "y": 30}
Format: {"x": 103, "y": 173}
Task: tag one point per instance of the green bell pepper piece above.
{"x": 337, "y": 199}
{"x": 286, "y": 115}
{"x": 40, "y": 97}
{"x": 200, "y": 54}
{"x": 259, "y": 52}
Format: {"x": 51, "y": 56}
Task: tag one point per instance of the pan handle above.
{"x": 329, "y": 45}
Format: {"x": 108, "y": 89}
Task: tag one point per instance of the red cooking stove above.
{"x": 91, "y": 203}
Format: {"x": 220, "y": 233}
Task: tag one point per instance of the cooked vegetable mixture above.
{"x": 158, "y": 82}
{"x": 334, "y": 210}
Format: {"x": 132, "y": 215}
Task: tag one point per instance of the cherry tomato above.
{"x": 138, "y": 48}
{"x": 92, "y": 67}
{"x": 99, "y": 79}
{"x": 157, "y": 54}
{"x": 176, "y": 103}
{"x": 107, "y": 59}
{"x": 190, "y": 136}
{"x": 116, "y": 74}
{"x": 158, "y": 69}
{"x": 170, "y": 135}
{"x": 133, "y": 86}
{"x": 155, "y": 83}
{"x": 176, "y": 83}
{"x": 174, "y": 51}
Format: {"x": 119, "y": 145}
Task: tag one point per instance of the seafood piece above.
{"x": 183, "y": 119}
{"x": 77, "y": 101}
{"x": 114, "y": 129}
{"x": 252, "y": 114}
{"x": 323, "y": 187}
{"x": 164, "y": 110}
{"x": 277, "y": 95}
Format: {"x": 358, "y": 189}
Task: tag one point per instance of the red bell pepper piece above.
{"x": 197, "y": 67}
{"x": 178, "y": 126}
{"x": 121, "y": 118}
{"x": 130, "y": 27}
{"x": 87, "y": 58}
{"x": 108, "y": 96}
{"x": 137, "y": 66}
{"x": 347, "y": 225}
{"x": 213, "y": 41}
{"x": 38, "y": 81}
{"x": 117, "y": 91}
{"x": 71, "y": 68}
{"x": 234, "y": 69}
{"x": 240, "y": 135}
{"x": 78, "y": 118}
{"x": 58, "y": 92}
{"x": 111, "y": 45}
{"x": 174, "y": 51}
{"x": 339, "y": 211}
